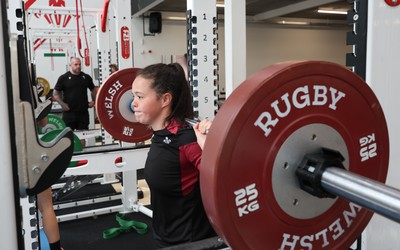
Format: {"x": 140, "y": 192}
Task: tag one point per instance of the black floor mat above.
{"x": 86, "y": 234}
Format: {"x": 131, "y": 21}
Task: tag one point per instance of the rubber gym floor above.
{"x": 87, "y": 233}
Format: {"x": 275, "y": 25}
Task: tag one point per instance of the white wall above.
{"x": 265, "y": 45}
{"x": 158, "y": 48}
{"x": 44, "y": 66}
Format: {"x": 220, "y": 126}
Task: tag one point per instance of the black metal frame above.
{"x": 358, "y": 17}
{"x": 358, "y": 37}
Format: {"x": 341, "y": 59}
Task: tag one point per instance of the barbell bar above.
{"x": 322, "y": 175}
{"x": 368, "y": 193}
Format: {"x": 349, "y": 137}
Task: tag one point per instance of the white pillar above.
{"x": 383, "y": 56}
{"x": 123, "y": 33}
{"x": 103, "y": 51}
{"x": 8, "y": 232}
{"x": 235, "y": 44}
{"x": 202, "y": 49}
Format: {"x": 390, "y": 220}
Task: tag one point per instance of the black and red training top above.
{"x": 172, "y": 173}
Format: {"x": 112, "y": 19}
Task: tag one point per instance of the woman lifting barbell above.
{"x": 163, "y": 101}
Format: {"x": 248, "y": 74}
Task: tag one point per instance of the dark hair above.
{"x": 113, "y": 65}
{"x": 171, "y": 79}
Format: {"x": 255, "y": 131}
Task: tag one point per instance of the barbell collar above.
{"x": 309, "y": 172}
{"x": 363, "y": 191}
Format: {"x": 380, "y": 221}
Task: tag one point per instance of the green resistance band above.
{"x": 125, "y": 226}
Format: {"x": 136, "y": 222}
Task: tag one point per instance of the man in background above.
{"x": 71, "y": 93}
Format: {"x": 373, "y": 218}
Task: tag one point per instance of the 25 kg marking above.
{"x": 368, "y": 147}
{"x": 128, "y": 131}
{"x": 246, "y": 200}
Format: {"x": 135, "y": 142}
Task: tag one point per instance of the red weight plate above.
{"x": 113, "y": 108}
{"x": 392, "y": 2}
{"x": 251, "y": 129}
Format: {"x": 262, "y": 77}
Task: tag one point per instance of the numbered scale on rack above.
{"x": 202, "y": 56}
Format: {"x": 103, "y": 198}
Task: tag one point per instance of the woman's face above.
{"x": 146, "y": 104}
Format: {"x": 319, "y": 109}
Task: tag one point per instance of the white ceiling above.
{"x": 274, "y": 11}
